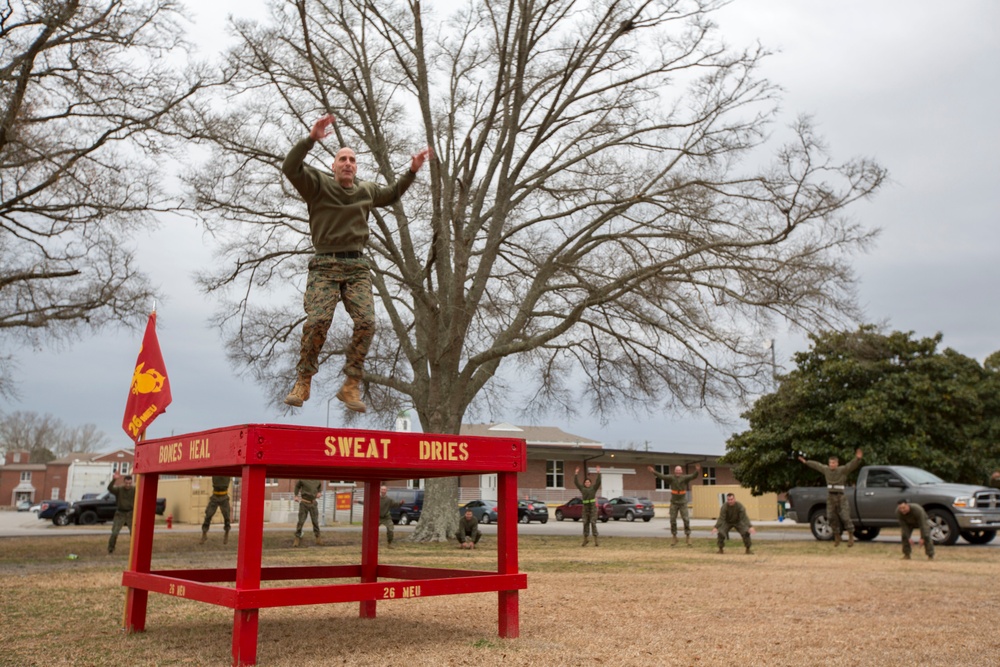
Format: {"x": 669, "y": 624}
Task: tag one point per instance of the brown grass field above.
{"x": 628, "y": 602}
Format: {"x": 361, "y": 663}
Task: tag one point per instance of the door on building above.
{"x": 612, "y": 484}
{"x": 488, "y": 487}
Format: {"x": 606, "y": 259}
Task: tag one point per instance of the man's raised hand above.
{"x": 321, "y": 128}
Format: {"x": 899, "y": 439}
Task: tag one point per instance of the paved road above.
{"x": 24, "y": 524}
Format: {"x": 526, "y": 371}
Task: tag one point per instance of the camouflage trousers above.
{"x": 331, "y": 280}
{"x": 307, "y": 509}
{"x": 464, "y": 536}
{"x": 216, "y": 502}
{"x": 682, "y": 509}
{"x": 724, "y": 535}
{"x": 387, "y": 522}
{"x": 121, "y": 519}
{"x": 589, "y": 518}
{"x": 906, "y": 531}
{"x": 838, "y": 513}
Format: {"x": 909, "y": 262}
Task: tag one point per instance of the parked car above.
{"x": 23, "y": 505}
{"x": 409, "y": 511}
{"x": 35, "y": 508}
{"x": 54, "y": 511}
{"x": 631, "y": 508}
{"x": 485, "y": 511}
{"x": 574, "y": 510}
{"x": 99, "y": 510}
{"x": 529, "y": 510}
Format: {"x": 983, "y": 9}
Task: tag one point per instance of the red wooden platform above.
{"x": 254, "y": 452}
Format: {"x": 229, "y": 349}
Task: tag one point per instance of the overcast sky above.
{"x": 912, "y": 83}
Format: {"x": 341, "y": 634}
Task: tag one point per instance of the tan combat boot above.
{"x": 687, "y": 539}
{"x": 850, "y": 538}
{"x": 300, "y": 392}
{"x": 721, "y": 550}
{"x": 595, "y": 541}
{"x": 204, "y": 537}
{"x": 749, "y": 551}
{"x": 586, "y": 541}
{"x": 319, "y": 541}
{"x": 297, "y": 542}
{"x": 673, "y": 542}
{"x": 351, "y": 395}
{"x": 225, "y": 537}
{"x": 836, "y": 539}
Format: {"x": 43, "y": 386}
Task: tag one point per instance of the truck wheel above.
{"x": 559, "y": 515}
{"x": 944, "y": 528}
{"x": 88, "y": 518}
{"x": 978, "y": 536}
{"x": 524, "y": 519}
{"x": 404, "y": 519}
{"x": 866, "y": 534}
{"x": 485, "y": 518}
{"x": 604, "y": 519}
{"x": 821, "y": 529}
{"x": 61, "y": 519}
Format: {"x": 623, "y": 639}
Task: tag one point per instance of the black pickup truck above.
{"x": 99, "y": 510}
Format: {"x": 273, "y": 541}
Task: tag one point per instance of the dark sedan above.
{"x": 485, "y": 511}
{"x": 574, "y": 509}
{"x": 529, "y": 510}
{"x": 630, "y": 508}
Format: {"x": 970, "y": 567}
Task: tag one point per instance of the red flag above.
{"x": 149, "y": 394}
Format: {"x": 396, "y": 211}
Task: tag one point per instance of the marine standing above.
{"x": 468, "y": 531}
{"x": 338, "y": 207}
{"x": 912, "y": 517}
{"x": 838, "y": 512}
{"x": 732, "y": 515}
{"x": 588, "y": 494}
{"x": 306, "y": 493}
{"x": 124, "y": 494}
{"x": 218, "y": 500}
{"x": 385, "y": 505}
{"x": 678, "y": 499}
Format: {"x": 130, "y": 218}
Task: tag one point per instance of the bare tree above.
{"x": 45, "y": 437}
{"x": 597, "y": 225}
{"x": 85, "y": 85}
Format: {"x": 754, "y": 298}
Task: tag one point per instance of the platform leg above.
{"x": 249, "y": 549}
{"x": 507, "y": 558}
{"x": 369, "y": 543}
{"x": 140, "y": 550}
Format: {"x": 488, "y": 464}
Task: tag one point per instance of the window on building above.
{"x": 663, "y": 469}
{"x": 554, "y": 475}
{"x": 708, "y": 476}
{"x": 122, "y": 467}
{"x": 55, "y": 493}
{"x": 271, "y": 481}
{"x": 414, "y": 483}
{"x": 25, "y": 475}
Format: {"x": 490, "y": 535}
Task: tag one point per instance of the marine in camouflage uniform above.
{"x": 124, "y": 502}
{"x": 338, "y": 208}
{"x": 995, "y": 480}
{"x": 468, "y": 531}
{"x": 385, "y": 504}
{"x": 588, "y": 494}
{"x": 219, "y": 500}
{"x": 678, "y": 499}
{"x": 838, "y": 511}
{"x": 912, "y": 516}
{"x": 732, "y": 515}
{"x": 306, "y": 492}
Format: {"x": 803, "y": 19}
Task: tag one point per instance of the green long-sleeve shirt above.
{"x": 733, "y": 516}
{"x": 468, "y": 526}
{"x": 308, "y": 489}
{"x": 124, "y": 496}
{"x": 588, "y": 494}
{"x": 678, "y": 485}
{"x": 916, "y": 519}
{"x": 836, "y": 476}
{"x": 220, "y": 484}
{"x": 385, "y": 503}
{"x": 338, "y": 216}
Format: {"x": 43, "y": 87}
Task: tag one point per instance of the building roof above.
{"x": 533, "y": 435}
{"x": 94, "y": 456}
